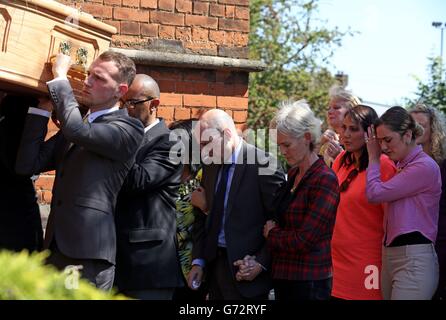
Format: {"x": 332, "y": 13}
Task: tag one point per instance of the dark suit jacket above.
{"x": 91, "y": 162}
{"x": 20, "y": 225}
{"x": 146, "y": 217}
{"x": 250, "y": 205}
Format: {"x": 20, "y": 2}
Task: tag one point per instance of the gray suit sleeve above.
{"x": 114, "y": 140}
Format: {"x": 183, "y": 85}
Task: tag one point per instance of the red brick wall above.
{"x": 185, "y": 93}
{"x": 211, "y": 27}
{"x": 206, "y": 27}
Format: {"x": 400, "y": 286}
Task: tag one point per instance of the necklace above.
{"x": 303, "y": 169}
{"x": 295, "y": 184}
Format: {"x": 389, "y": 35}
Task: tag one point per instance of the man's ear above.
{"x": 227, "y": 133}
{"x": 123, "y": 88}
{"x": 154, "y": 103}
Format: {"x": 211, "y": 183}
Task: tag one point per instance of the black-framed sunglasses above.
{"x": 133, "y": 102}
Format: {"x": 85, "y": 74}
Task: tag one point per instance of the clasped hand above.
{"x": 249, "y": 268}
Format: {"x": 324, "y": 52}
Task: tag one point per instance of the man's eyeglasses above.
{"x": 133, "y": 102}
{"x": 345, "y": 184}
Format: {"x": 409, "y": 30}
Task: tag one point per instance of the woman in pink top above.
{"x": 358, "y": 232}
{"x": 409, "y": 262}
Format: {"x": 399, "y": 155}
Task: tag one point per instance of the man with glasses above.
{"x": 147, "y": 266}
{"x": 91, "y": 157}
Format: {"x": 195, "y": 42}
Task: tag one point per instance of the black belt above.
{"x": 409, "y": 239}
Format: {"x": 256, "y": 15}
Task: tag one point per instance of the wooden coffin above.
{"x": 33, "y": 31}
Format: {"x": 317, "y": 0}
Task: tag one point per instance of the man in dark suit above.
{"x": 91, "y": 156}
{"x": 239, "y": 198}
{"x": 147, "y": 265}
{"x": 20, "y": 224}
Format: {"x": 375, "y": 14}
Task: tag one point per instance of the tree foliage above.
{"x": 25, "y": 276}
{"x": 295, "y": 46}
{"x": 433, "y": 92}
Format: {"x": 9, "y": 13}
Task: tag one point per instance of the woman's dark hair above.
{"x": 365, "y": 116}
{"x": 186, "y": 125}
{"x": 399, "y": 120}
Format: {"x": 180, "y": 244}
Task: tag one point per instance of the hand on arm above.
{"x": 267, "y": 227}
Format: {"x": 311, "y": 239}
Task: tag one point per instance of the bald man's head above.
{"x": 218, "y": 119}
{"x": 217, "y": 135}
{"x": 147, "y": 85}
{"x": 142, "y": 99}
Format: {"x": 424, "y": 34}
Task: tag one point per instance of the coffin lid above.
{"x": 59, "y": 8}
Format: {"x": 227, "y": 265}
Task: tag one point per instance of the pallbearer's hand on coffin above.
{"x": 61, "y": 65}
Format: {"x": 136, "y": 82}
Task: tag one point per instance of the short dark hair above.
{"x": 399, "y": 120}
{"x": 125, "y": 65}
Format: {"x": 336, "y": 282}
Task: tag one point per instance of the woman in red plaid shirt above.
{"x": 299, "y": 241}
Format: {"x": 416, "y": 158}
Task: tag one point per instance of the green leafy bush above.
{"x": 25, "y": 276}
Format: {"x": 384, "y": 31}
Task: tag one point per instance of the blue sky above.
{"x": 396, "y": 38}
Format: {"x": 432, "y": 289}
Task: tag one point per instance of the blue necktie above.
{"x": 216, "y": 215}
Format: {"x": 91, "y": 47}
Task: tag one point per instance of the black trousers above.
{"x": 287, "y": 290}
{"x": 187, "y": 294}
{"x": 222, "y": 285}
{"x": 151, "y": 294}
{"x": 99, "y": 273}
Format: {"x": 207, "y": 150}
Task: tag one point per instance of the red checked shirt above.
{"x": 300, "y": 245}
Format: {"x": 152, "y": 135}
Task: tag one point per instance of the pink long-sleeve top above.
{"x": 413, "y": 195}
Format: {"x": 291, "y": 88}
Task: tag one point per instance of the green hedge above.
{"x": 24, "y": 276}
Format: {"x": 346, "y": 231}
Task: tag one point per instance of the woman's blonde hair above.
{"x": 295, "y": 118}
{"x": 347, "y": 98}
{"x": 438, "y": 126}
